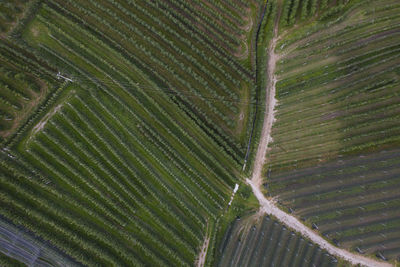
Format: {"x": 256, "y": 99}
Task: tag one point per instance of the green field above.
{"x": 24, "y": 88}
{"x": 334, "y": 158}
{"x": 10, "y": 12}
{"x": 19, "y": 95}
{"x": 125, "y": 126}
{"x": 132, "y": 162}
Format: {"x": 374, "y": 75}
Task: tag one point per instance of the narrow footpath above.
{"x": 203, "y": 253}
{"x": 268, "y": 205}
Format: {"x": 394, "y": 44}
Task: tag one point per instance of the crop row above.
{"x": 347, "y": 100}
{"x": 19, "y": 91}
{"x": 131, "y": 165}
{"x": 338, "y": 110}
{"x": 189, "y": 143}
{"x": 102, "y": 184}
{"x": 26, "y": 84}
{"x": 298, "y": 10}
{"x": 113, "y": 69}
{"x": 263, "y": 241}
{"x": 231, "y": 21}
{"x": 193, "y": 107}
{"x": 208, "y": 25}
{"x": 352, "y": 200}
{"x": 155, "y": 119}
{"x": 181, "y": 52}
{"x": 160, "y": 47}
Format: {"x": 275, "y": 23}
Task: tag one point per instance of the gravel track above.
{"x": 268, "y": 205}
{"x": 203, "y": 253}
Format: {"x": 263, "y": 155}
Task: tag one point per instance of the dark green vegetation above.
{"x": 25, "y": 82}
{"x": 243, "y": 204}
{"x": 20, "y": 93}
{"x": 7, "y": 261}
{"x": 209, "y": 91}
{"x": 297, "y": 11}
{"x": 334, "y": 159}
{"x": 10, "y": 12}
{"x": 261, "y": 241}
{"x": 134, "y": 161}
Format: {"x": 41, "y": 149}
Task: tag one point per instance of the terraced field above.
{"x": 263, "y": 241}
{"x": 337, "y": 165}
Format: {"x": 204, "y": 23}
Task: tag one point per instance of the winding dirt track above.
{"x": 268, "y": 205}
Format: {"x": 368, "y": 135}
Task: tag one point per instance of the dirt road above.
{"x": 268, "y": 205}
{"x": 268, "y": 117}
{"x": 203, "y": 253}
